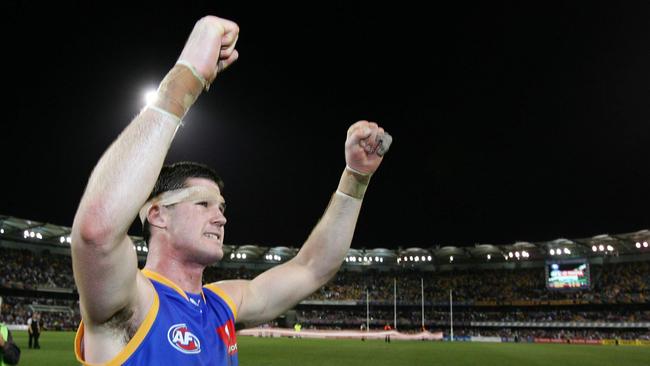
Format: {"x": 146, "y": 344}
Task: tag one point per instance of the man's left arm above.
{"x": 282, "y": 287}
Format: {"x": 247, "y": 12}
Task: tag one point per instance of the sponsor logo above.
{"x": 180, "y": 337}
{"x": 228, "y": 336}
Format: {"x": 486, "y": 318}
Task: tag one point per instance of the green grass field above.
{"x": 56, "y": 349}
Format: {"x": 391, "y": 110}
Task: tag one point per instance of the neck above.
{"x": 187, "y": 276}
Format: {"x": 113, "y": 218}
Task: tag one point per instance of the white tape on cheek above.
{"x": 190, "y": 194}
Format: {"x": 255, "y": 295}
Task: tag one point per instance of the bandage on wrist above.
{"x": 179, "y": 90}
{"x": 353, "y": 183}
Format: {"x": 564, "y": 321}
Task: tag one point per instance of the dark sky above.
{"x": 510, "y": 121}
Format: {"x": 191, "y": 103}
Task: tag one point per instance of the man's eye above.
{"x": 204, "y": 204}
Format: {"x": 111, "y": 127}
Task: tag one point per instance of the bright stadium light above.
{"x": 567, "y": 251}
{"x": 150, "y": 96}
{"x": 417, "y": 259}
{"x": 243, "y": 256}
{"x": 429, "y": 258}
{"x": 610, "y": 248}
{"x": 62, "y": 240}
{"x": 68, "y": 239}
{"x": 595, "y": 248}
{"x": 489, "y": 257}
{"x": 2, "y": 231}
{"x": 145, "y": 249}
{"x": 601, "y": 248}
{"x": 552, "y": 251}
{"x": 510, "y": 255}
{"x": 39, "y": 236}
{"x": 645, "y": 244}
{"x": 525, "y": 254}
{"x": 232, "y": 255}
{"x": 638, "y": 245}
{"x": 139, "y": 248}
{"x": 376, "y": 259}
{"x": 238, "y": 256}
{"x": 381, "y": 260}
{"x": 451, "y": 258}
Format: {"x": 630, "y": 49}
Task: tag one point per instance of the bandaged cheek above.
{"x": 193, "y": 194}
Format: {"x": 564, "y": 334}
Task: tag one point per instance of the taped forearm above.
{"x": 179, "y": 90}
{"x": 353, "y": 183}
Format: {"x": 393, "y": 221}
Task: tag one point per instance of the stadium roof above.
{"x": 23, "y": 230}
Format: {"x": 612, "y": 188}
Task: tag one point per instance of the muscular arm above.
{"x": 104, "y": 262}
{"x": 280, "y": 288}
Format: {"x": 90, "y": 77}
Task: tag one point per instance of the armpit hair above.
{"x": 123, "y": 324}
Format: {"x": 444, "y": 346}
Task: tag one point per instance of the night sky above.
{"x": 511, "y": 122}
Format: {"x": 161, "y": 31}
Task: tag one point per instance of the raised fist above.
{"x": 210, "y": 47}
{"x": 365, "y": 146}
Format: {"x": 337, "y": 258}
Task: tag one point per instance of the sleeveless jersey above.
{"x": 180, "y": 329}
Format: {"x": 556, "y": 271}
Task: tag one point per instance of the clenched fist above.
{"x": 365, "y": 146}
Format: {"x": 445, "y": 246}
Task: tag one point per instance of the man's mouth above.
{"x": 212, "y": 236}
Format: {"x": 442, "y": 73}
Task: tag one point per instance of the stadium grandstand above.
{"x": 563, "y": 290}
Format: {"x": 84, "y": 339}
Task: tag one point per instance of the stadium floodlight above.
{"x": 399, "y": 260}
{"x": 2, "y": 231}
{"x": 139, "y": 248}
{"x": 429, "y": 258}
{"x": 238, "y": 256}
{"x": 68, "y": 239}
{"x": 39, "y": 236}
{"x": 381, "y": 260}
{"x": 62, "y": 240}
{"x": 552, "y": 251}
{"x": 610, "y": 248}
{"x": 638, "y": 245}
{"x": 601, "y": 248}
{"x": 145, "y": 249}
{"x": 510, "y": 255}
{"x": 32, "y": 234}
{"x": 150, "y": 96}
{"x": 243, "y": 256}
{"x": 517, "y": 255}
{"x": 595, "y": 248}
{"x": 645, "y": 244}
{"x": 232, "y": 255}
{"x": 451, "y": 258}
{"x": 567, "y": 251}
{"x": 525, "y": 254}
{"x": 376, "y": 259}
{"x": 489, "y": 257}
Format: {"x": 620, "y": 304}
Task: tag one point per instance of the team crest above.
{"x": 180, "y": 337}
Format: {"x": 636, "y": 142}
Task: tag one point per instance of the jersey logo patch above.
{"x": 180, "y": 337}
{"x": 228, "y": 336}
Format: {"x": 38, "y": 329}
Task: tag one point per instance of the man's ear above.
{"x": 157, "y": 216}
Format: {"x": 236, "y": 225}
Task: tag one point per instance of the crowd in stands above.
{"x": 623, "y": 283}
{"x": 22, "y": 269}
{"x": 55, "y": 314}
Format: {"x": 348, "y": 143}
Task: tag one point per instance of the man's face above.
{"x": 197, "y": 228}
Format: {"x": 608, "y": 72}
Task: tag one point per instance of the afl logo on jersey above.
{"x": 180, "y": 337}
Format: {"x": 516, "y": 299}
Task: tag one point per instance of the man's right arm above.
{"x": 104, "y": 262}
